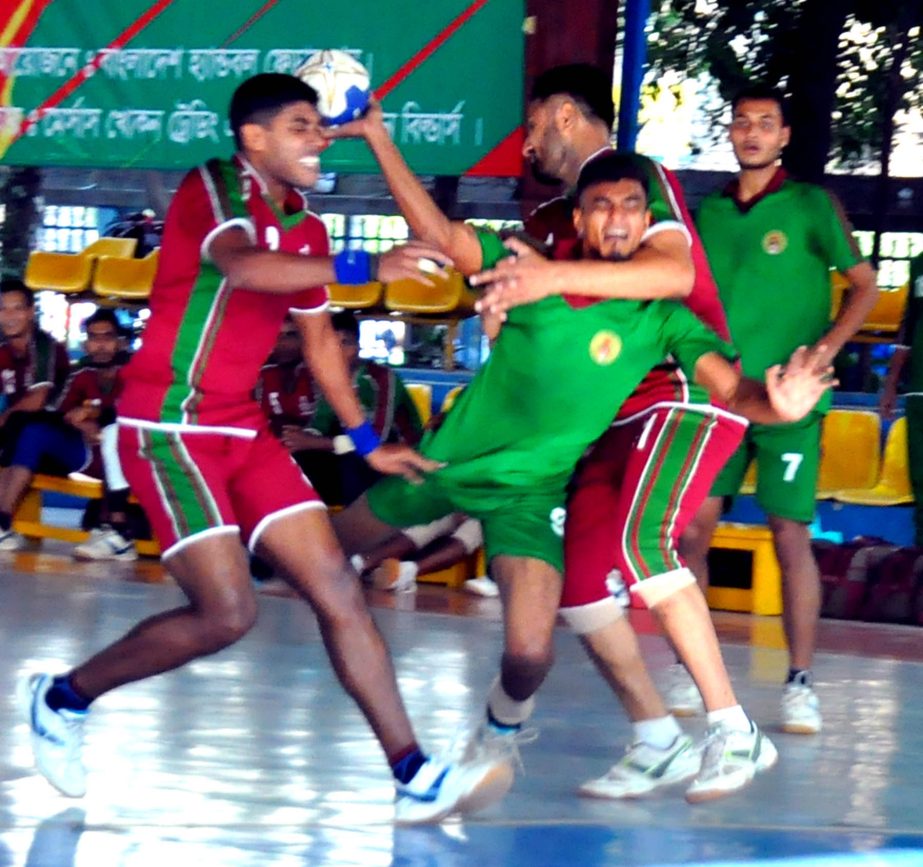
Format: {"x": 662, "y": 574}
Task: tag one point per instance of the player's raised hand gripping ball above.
{"x": 341, "y": 82}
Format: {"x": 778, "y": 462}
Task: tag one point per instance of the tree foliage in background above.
{"x": 848, "y": 65}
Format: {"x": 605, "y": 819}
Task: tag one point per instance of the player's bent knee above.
{"x": 584, "y": 619}
{"x": 227, "y": 626}
{"x": 658, "y": 588}
{"x": 529, "y": 659}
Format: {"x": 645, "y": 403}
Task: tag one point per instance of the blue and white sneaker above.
{"x": 439, "y": 789}
{"x": 57, "y": 738}
{"x": 106, "y": 543}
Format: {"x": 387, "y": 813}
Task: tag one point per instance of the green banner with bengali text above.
{"x": 146, "y": 83}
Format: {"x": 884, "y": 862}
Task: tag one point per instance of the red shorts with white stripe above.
{"x": 191, "y": 483}
{"x": 636, "y": 491}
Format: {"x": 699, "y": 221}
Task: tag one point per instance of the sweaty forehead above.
{"x": 758, "y": 108}
{"x": 623, "y": 188}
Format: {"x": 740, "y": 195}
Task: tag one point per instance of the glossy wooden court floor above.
{"x": 254, "y": 756}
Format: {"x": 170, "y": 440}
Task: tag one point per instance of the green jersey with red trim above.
{"x": 556, "y": 376}
{"x": 771, "y": 257}
{"x": 205, "y": 342}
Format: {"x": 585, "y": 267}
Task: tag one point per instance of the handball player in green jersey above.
{"x": 560, "y": 368}
{"x": 771, "y": 242}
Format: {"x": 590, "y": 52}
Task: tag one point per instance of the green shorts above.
{"x": 518, "y": 523}
{"x": 787, "y": 461}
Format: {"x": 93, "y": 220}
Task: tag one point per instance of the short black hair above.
{"x": 586, "y": 85}
{"x": 14, "y": 284}
{"x": 260, "y": 98}
{"x": 761, "y": 90}
{"x": 345, "y": 320}
{"x": 612, "y": 166}
{"x": 102, "y": 314}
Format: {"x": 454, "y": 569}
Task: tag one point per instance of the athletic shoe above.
{"x": 106, "y": 543}
{"x": 730, "y": 760}
{"x": 495, "y": 743}
{"x": 681, "y": 694}
{"x": 57, "y": 738}
{"x": 10, "y": 540}
{"x": 439, "y": 789}
{"x": 482, "y": 586}
{"x": 644, "y": 769}
{"x": 399, "y": 576}
{"x": 800, "y": 710}
{"x": 615, "y": 584}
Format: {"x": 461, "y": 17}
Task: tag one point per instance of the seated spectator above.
{"x": 67, "y": 440}
{"x": 395, "y": 564}
{"x": 33, "y": 365}
{"x": 309, "y": 427}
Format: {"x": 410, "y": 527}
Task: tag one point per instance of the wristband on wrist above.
{"x": 354, "y": 267}
{"x": 364, "y": 438}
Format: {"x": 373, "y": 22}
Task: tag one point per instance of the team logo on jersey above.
{"x": 556, "y": 518}
{"x": 775, "y": 242}
{"x": 605, "y": 347}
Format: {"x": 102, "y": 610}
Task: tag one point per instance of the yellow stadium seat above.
{"x": 884, "y": 319}
{"x": 446, "y": 296}
{"x": 423, "y": 397}
{"x": 449, "y": 400}
{"x": 850, "y": 451}
{"x": 72, "y": 272}
{"x": 125, "y": 279}
{"x": 355, "y": 297}
{"x": 893, "y": 486}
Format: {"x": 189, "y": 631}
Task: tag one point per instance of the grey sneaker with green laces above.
{"x": 645, "y": 769}
{"x": 730, "y": 761}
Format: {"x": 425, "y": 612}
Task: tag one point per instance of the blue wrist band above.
{"x": 353, "y": 267}
{"x": 364, "y": 438}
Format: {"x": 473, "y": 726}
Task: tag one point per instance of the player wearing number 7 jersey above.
{"x": 771, "y": 243}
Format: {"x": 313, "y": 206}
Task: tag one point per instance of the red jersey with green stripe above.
{"x": 553, "y": 222}
{"x": 205, "y": 342}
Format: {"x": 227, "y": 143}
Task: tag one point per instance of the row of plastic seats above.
{"x": 853, "y": 466}
{"x": 446, "y": 295}
{"x": 884, "y": 319}
{"x": 108, "y": 267}
{"x": 422, "y": 395}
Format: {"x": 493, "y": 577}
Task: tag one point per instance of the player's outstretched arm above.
{"x": 260, "y": 270}
{"x": 791, "y": 391}
{"x": 661, "y": 268}
{"x": 426, "y": 219}
{"x": 321, "y": 349}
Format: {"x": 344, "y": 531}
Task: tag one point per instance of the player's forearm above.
{"x": 276, "y": 273}
{"x": 859, "y": 302}
{"x": 423, "y": 215}
{"x": 751, "y": 400}
{"x": 648, "y": 275}
{"x": 329, "y": 371}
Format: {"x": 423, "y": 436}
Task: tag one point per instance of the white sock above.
{"x": 730, "y": 717}
{"x": 410, "y": 567}
{"x": 658, "y": 733}
{"x": 357, "y": 561}
{"x": 507, "y": 710}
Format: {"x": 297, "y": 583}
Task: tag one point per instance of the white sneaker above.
{"x": 399, "y": 576}
{"x": 10, "y": 540}
{"x": 730, "y": 760}
{"x": 681, "y": 694}
{"x": 644, "y": 768}
{"x": 800, "y": 710}
{"x": 106, "y": 543}
{"x": 489, "y": 743}
{"x": 439, "y": 789}
{"x": 57, "y": 738}
{"x": 482, "y": 586}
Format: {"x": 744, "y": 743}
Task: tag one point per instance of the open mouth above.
{"x": 311, "y": 161}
